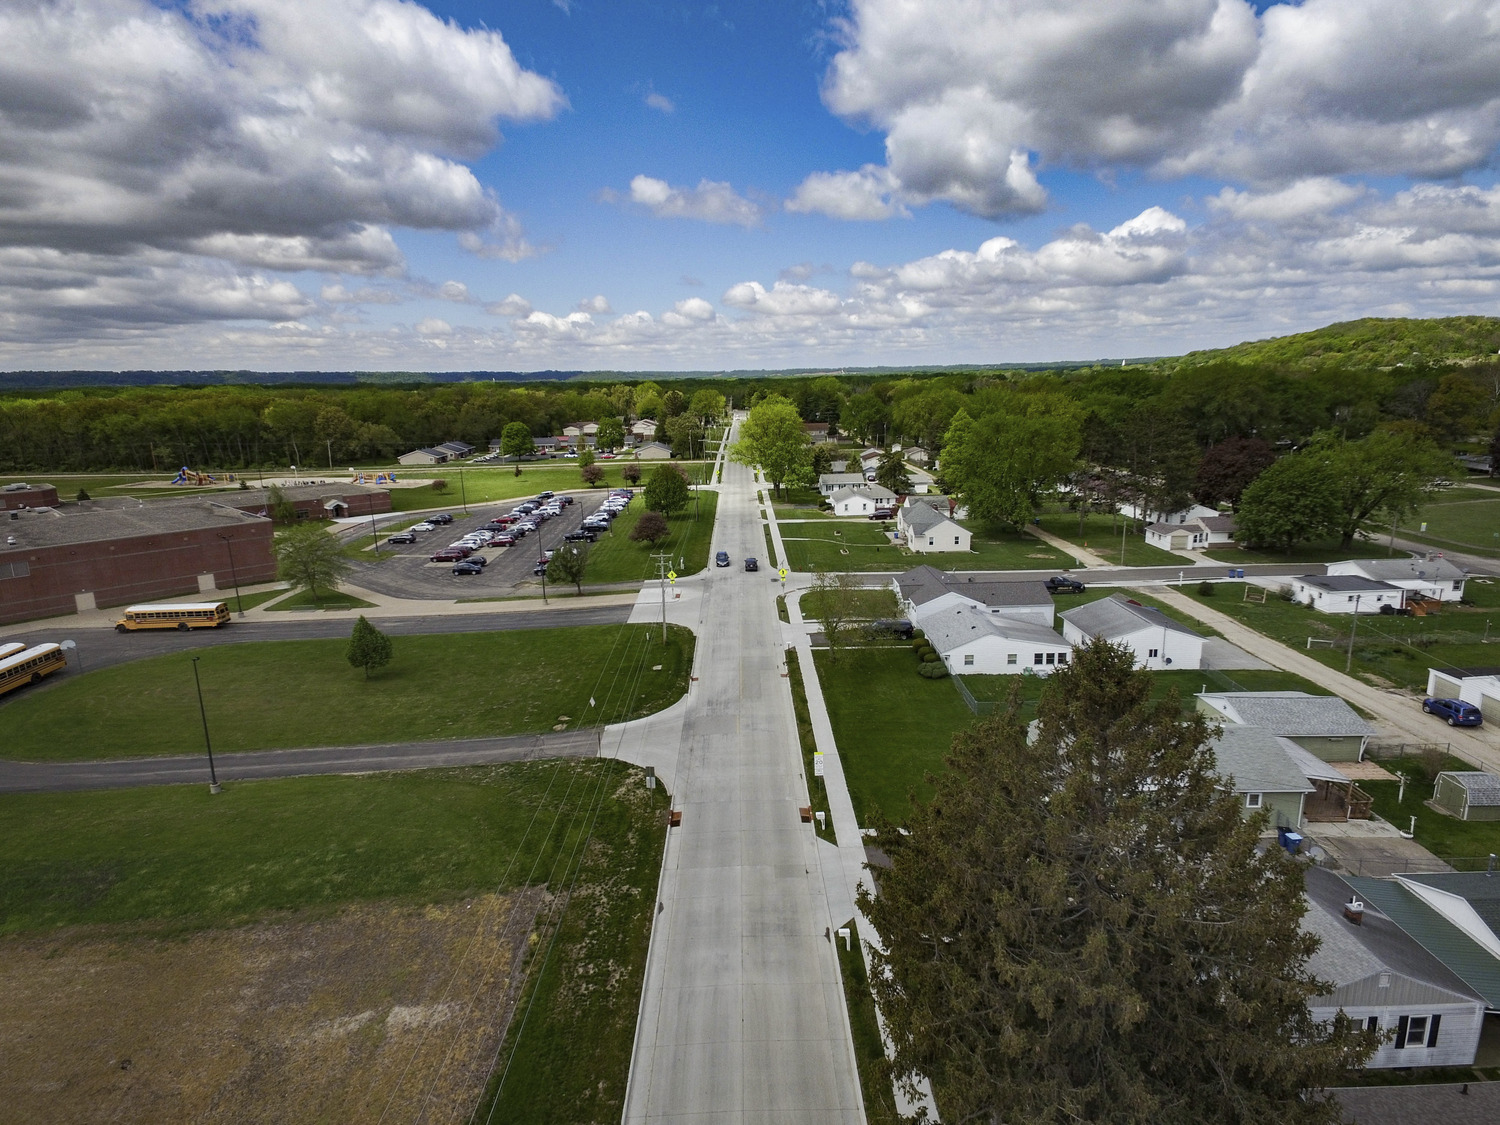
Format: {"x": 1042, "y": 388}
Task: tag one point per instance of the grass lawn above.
{"x": 278, "y": 694}
{"x": 1101, "y": 535}
{"x": 1388, "y": 650}
{"x": 487, "y": 485}
{"x": 869, "y": 1051}
{"x": 800, "y": 503}
{"x": 867, "y": 604}
{"x": 1188, "y": 682}
{"x": 817, "y": 792}
{"x": 614, "y": 558}
{"x": 999, "y": 550}
{"x": 1466, "y": 518}
{"x": 1444, "y": 836}
{"x": 250, "y": 601}
{"x": 856, "y": 545}
{"x": 1325, "y": 552}
{"x": 327, "y": 599}
{"x": 166, "y": 860}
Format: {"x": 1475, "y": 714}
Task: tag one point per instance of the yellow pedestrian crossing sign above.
{"x": 671, "y": 576}
{"x": 782, "y": 572}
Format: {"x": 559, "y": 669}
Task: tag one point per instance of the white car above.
{"x": 423, "y": 526}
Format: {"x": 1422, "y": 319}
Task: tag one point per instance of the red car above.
{"x": 503, "y": 540}
{"x": 450, "y": 554}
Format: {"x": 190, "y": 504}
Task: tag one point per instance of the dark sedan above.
{"x": 467, "y": 566}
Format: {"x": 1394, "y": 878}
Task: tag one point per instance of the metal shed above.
{"x": 1469, "y": 794}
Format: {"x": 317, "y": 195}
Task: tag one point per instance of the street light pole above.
{"x": 461, "y": 490}
{"x": 1353, "y": 627}
{"x": 374, "y": 533}
{"x": 233, "y": 573}
{"x": 213, "y": 777}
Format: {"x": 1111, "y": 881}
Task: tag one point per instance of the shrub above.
{"x": 82, "y": 495}
{"x": 929, "y": 657}
{"x": 1206, "y": 589}
{"x": 440, "y": 485}
{"x": 932, "y": 671}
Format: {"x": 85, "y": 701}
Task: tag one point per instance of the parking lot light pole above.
{"x": 213, "y": 777}
{"x": 461, "y": 491}
{"x": 374, "y": 533}
{"x": 234, "y": 574}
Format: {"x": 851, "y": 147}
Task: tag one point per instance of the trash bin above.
{"x": 1291, "y": 841}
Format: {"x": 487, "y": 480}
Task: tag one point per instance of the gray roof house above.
{"x": 862, "y": 501}
{"x": 925, "y": 590}
{"x": 1434, "y": 578}
{"x": 1259, "y": 768}
{"x": 435, "y": 455}
{"x": 1385, "y": 979}
{"x": 1323, "y": 724}
{"x": 829, "y": 483}
{"x": 1157, "y": 641}
{"x": 973, "y": 641}
{"x": 1345, "y": 593}
{"x": 927, "y": 529}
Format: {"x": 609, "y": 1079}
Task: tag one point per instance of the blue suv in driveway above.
{"x": 1456, "y": 711}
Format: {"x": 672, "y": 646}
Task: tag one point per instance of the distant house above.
{"x": 1156, "y": 640}
{"x": 1259, "y": 768}
{"x": 432, "y": 456}
{"x": 547, "y": 446}
{"x": 456, "y": 449}
{"x": 1192, "y": 512}
{"x": 1438, "y": 579}
{"x": 1323, "y": 724}
{"x": 1480, "y": 686}
{"x": 972, "y": 641}
{"x": 645, "y": 428}
{"x": 1345, "y": 593}
{"x": 817, "y": 432}
{"x": 829, "y": 483}
{"x": 1384, "y": 978}
{"x": 922, "y": 482}
{"x": 862, "y": 501}
{"x": 916, "y": 455}
{"x": 1193, "y": 535}
{"x": 653, "y": 451}
{"x": 925, "y": 590}
{"x": 926, "y": 529}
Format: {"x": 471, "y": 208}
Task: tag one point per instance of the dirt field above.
{"x": 375, "y": 1010}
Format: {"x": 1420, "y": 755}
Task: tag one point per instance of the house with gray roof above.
{"x": 926, "y": 529}
{"x": 1435, "y": 578}
{"x": 1258, "y": 767}
{"x": 1387, "y": 980}
{"x": 1323, "y": 725}
{"x": 829, "y": 483}
{"x": 1346, "y": 593}
{"x": 972, "y": 641}
{"x": 925, "y": 590}
{"x": 1195, "y": 535}
{"x": 426, "y": 456}
{"x": 1157, "y": 641}
{"x": 862, "y": 501}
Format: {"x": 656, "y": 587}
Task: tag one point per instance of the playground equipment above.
{"x": 187, "y": 476}
{"x": 380, "y": 478}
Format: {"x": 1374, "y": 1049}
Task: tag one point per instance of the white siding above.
{"x": 1457, "y": 1036}
{"x": 1155, "y": 649}
{"x": 1003, "y": 656}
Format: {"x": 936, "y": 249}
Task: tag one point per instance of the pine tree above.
{"x": 1081, "y": 927}
{"x": 369, "y": 648}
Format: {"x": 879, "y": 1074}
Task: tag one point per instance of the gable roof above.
{"x": 838, "y": 480}
{"x": 1346, "y": 584}
{"x": 1458, "y": 952}
{"x": 1478, "y": 888}
{"x": 967, "y": 623}
{"x": 922, "y": 519}
{"x": 1257, "y": 761}
{"x": 922, "y": 584}
{"x": 1289, "y": 713}
{"x": 1116, "y": 616}
{"x": 1396, "y": 570}
{"x": 1350, "y": 953}
{"x": 874, "y": 493}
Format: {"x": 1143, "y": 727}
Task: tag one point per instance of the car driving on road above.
{"x": 751, "y": 564}
{"x": 1064, "y": 585}
{"x": 721, "y": 559}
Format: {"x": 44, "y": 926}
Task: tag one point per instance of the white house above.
{"x": 653, "y": 451}
{"x": 916, "y": 455}
{"x": 1434, "y": 578}
{"x": 1192, "y": 512}
{"x": 926, "y": 529}
{"x": 829, "y": 483}
{"x": 922, "y": 482}
{"x": 1482, "y": 689}
{"x": 1345, "y": 593}
{"x": 1157, "y": 641}
{"x": 974, "y": 642}
{"x": 644, "y": 428}
{"x": 862, "y": 502}
{"x": 925, "y": 590}
{"x": 1193, "y": 535}
{"x": 1383, "y": 977}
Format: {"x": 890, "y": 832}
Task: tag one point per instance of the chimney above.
{"x": 1354, "y": 910}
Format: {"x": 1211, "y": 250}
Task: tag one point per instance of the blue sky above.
{"x": 382, "y": 184}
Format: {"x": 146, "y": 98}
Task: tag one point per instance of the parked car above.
{"x": 441, "y": 517}
{"x": 1064, "y": 585}
{"x": 893, "y": 627}
{"x": 504, "y": 539}
{"x": 582, "y": 535}
{"x": 565, "y": 500}
{"x": 1455, "y": 711}
{"x": 883, "y": 514}
{"x": 751, "y": 564}
{"x": 402, "y": 537}
{"x": 423, "y": 526}
{"x": 467, "y": 566}
{"x": 721, "y": 559}
{"x": 544, "y": 495}
{"x": 450, "y": 554}
{"x": 539, "y": 570}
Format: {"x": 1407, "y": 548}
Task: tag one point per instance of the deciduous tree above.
{"x": 611, "y": 434}
{"x": 773, "y": 438}
{"x": 515, "y": 441}
{"x": 1228, "y": 468}
{"x": 650, "y": 528}
{"x": 1291, "y": 502}
{"x": 706, "y": 406}
{"x": 309, "y": 558}
{"x": 1002, "y": 463}
{"x": 631, "y": 471}
{"x": 834, "y": 594}
{"x": 667, "y": 490}
{"x": 568, "y": 564}
{"x": 593, "y": 475}
{"x": 1082, "y": 926}
{"x": 369, "y": 648}
{"x": 1387, "y": 473}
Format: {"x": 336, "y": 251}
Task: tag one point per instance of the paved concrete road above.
{"x": 742, "y": 1018}
{"x": 36, "y": 777}
{"x": 100, "y": 648}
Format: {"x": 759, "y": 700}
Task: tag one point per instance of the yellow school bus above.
{"x": 174, "y": 615}
{"x": 29, "y": 665}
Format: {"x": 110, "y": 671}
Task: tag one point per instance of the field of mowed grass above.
{"x": 1102, "y": 535}
{"x": 1463, "y": 518}
{"x": 488, "y": 485}
{"x": 280, "y": 694}
{"x": 1387, "y": 650}
{"x": 862, "y": 546}
{"x": 615, "y": 558}
{"x": 1444, "y": 836}
{"x": 1320, "y": 552}
{"x": 161, "y": 862}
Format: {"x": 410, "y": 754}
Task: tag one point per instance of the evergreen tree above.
{"x": 1082, "y": 926}
{"x": 369, "y": 648}
{"x": 890, "y": 472}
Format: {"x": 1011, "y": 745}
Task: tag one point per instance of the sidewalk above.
{"x": 1396, "y": 709}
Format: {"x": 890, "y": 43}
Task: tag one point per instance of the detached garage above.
{"x": 1468, "y": 794}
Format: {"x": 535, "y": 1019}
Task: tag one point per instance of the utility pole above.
{"x": 213, "y": 777}
{"x": 330, "y": 454}
{"x": 1353, "y": 626}
{"x": 663, "y": 564}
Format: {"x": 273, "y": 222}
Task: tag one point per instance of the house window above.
{"x": 1010, "y": 658}
{"x": 1052, "y": 658}
{"x": 1252, "y": 800}
{"x": 1036, "y": 658}
{"x": 931, "y": 542}
{"x": 955, "y": 540}
{"x": 1151, "y": 653}
{"x": 1062, "y": 658}
{"x": 968, "y": 659}
{"x": 1416, "y": 1031}
{"x": 1372, "y": 1024}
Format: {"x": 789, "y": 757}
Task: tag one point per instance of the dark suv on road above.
{"x": 1064, "y": 585}
{"x": 751, "y": 564}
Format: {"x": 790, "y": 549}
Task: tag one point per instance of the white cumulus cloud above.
{"x": 869, "y": 195}
{"x": 709, "y": 202}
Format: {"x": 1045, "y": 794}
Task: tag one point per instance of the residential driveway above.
{"x": 1220, "y": 655}
{"x": 742, "y": 1018}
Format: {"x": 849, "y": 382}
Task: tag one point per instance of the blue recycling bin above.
{"x": 1291, "y": 841}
